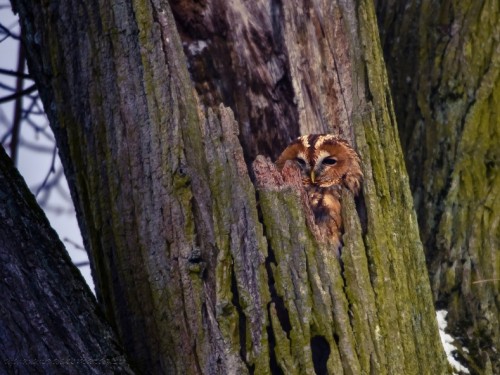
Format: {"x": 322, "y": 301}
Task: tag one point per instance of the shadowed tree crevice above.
{"x": 320, "y": 352}
{"x": 242, "y": 320}
{"x": 273, "y": 363}
{"x": 276, "y": 300}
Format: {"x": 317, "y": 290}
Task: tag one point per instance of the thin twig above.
{"x": 7, "y": 87}
{"x": 36, "y": 146}
{"x": 51, "y": 170}
{"x": 15, "y": 74}
{"x": 82, "y": 264}
{"x": 64, "y": 194}
{"x": 18, "y": 106}
{"x": 56, "y": 209}
{"x": 74, "y": 244}
{"x": 26, "y": 91}
{"x": 5, "y": 137}
{"x": 8, "y": 33}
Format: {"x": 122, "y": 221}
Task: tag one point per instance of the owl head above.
{"x": 325, "y": 161}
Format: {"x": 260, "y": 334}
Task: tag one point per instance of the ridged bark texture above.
{"x": 49, "y": 319}
{"x": 444, "y": 64}
{"x": 195, "y": 275}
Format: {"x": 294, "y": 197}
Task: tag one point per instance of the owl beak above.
{"x": 312, "y": 177}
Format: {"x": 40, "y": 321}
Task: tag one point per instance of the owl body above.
{"x": 327, "y": 163}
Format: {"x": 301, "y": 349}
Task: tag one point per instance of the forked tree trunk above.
{"x": 195, "y": 276}
{"x": 444, "y": 60}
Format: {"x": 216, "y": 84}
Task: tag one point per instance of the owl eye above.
{"x": 301, "y": 161}
{"x": 329, "y": 161}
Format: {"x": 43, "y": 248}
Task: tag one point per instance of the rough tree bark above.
{"x": 194, "y": 276}
{"x": 49, "y": 321}
{"x": 444, "y": 64}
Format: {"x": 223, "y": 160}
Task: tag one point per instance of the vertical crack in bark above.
{"x": 348, "y": 298}
{"x": 281, "y": 357}
{"x": 273, "y": 362}
{"x": 279, "y": 304}
{"x": 242, "y": 322}
{"x": 281, "y": 312}
{"x": 276, "y": 300}
{"x": 360, "y": 203}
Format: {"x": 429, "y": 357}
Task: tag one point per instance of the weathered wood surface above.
{"x": 444, "y": 64}
{"x": 49, "y": 321}
{"x": 195, "y": 274}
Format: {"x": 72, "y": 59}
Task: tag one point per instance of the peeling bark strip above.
{"x": 49, "y": 320}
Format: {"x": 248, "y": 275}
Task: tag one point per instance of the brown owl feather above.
{"x": 327, "y": 163}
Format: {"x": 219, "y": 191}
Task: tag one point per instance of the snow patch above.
{"x": 448, "y": 341}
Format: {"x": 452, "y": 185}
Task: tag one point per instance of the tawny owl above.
{"x": 327, "y": 163}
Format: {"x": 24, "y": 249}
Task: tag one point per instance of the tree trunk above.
{"x": 194, "y": 275}
{"x": 50, "y": 321}
{"x": 444, "y": 63}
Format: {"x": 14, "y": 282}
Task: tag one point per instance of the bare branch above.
{"x": 5, "y": 137}
{"x": 26, "y": 91}
{"x": 36, "y": 147}
{"x": 64, "y": 193}
{"x": 15, "y": 73}
{"x": 7, "y": 87}
{"x": 18, "y": 106}
{"x": 74, "y": 244}
{"x": 8, "y": 34}
{"x": 51, "y": 170}
{"x": 82, "y": 264}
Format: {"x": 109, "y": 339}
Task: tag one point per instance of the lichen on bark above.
{"x": 444, "y": 64}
